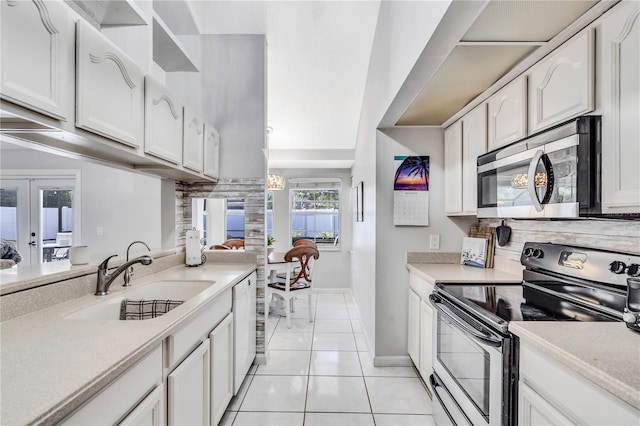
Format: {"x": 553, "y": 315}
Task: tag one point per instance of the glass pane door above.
{"x": 14, "y": 215}
{"x": 53, "y": 220}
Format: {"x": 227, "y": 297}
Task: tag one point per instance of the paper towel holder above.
{"x": 194, "y": 256}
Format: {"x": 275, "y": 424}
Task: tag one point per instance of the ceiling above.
{"x": 318, "y": 59}
{"x": 503, "y": 34}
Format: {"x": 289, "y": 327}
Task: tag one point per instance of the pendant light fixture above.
{"x": 275, "y": 182}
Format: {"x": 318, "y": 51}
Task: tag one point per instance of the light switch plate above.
{"x": 434, "y": 242}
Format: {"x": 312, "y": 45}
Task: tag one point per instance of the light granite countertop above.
{"x": 455, "y": 273}
{"x": 51, "y": 365}
{"x": 606, "y": 353}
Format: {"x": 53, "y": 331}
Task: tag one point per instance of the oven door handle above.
{"x": 487, "y": 338}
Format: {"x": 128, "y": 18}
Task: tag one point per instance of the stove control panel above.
{"x": 581, "y": 262}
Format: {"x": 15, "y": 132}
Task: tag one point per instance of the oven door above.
{"x": 469, "y": 359}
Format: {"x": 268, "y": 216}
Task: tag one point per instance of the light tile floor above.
{"x": 320, "y": 373}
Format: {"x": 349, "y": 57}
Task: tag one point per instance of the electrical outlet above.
{"x": 99, "y": 231}
{"x": 434, "y": 242}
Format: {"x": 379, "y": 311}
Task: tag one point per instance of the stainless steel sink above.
{"x": 109, "y": 308}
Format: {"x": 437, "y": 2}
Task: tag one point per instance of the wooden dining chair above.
{"x": 232, "y": 244}
{"x": 305, "y": 242}
{"x": 298, "y": 282}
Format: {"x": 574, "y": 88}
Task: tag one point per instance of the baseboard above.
{"x": 392, "y": 361}
{"x": 262, "y": 359}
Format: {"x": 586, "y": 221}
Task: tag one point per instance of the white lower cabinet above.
{"x": 426, "y": 341}
{"x": 413, "y": 328}
{"x": 419, "y": 327}
{"x": 120, "y": 398}
{"x": 188, "y": 389}
{"x": 553, "y": 394}
{"x": 221, "y": 339}
{"x": 150, "y": 412}
{"x": 535, "y": 410}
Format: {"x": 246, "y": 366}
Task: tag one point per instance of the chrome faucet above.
{"x": 129, "y": 272}
{"x": 105, "y": 278}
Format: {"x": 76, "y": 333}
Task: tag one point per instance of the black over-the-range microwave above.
{"x": 553, "y": 174}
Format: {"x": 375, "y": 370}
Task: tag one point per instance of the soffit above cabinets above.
{"x": 503, "y": 34}
{"x": 466, "y": 73}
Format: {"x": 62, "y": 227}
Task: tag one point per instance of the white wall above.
{"x": 125, "y": 205}
{"x": 392, "y": 278}
{"x": 403, "y": 30}
{"x": 234, "y": 101}
{"x": 334, "y": 267}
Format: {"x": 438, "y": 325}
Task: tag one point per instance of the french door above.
{"x": 40, "y": 216}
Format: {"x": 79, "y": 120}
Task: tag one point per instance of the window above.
{"x": 269, "y": 218}
{"x": 235, "y": 218}
{"x": 315, "y": 213}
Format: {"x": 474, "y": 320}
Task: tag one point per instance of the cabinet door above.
{"x": 507, "y": 114}
{"x": 413, "y": 328}
{"x": 37, "y": 43}
{"x": 535, "y": 410}
{"x": 150, "y": 412}
{"x": 474, "y": 143}
{"x": 619, "y": 66}
{"x": 109, "y": 89}
{"x": 426, "y": 339}
{"x": 193, "y": 135}
{"x": 561, "y": 85}
{"x": 120, "y": 396}
{"x": 211, "y": 151}
{"x": 453, "y": 168}
{"x": 163, "y": 122}
{"x": 221, "y": 339}
{"x": 188, "y": 389}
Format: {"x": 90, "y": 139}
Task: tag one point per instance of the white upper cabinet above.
{"x": 37, "y": 56}
{"x": 507, "y": 114}
{"x": 453, "y": 168}
{"x": 211, "y": 151}
{"x": 474, "y": 143}
{"x": 193, "y": 134}
{"x": 109, "y": 89}
{"x": 561, "y": 85}
{"x": 619, "y": 68}
{"x": 163, "y": 123}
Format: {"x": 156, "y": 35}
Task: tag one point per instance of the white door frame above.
{"x": 22, "y": 220}
{"x": 53, "y": 174}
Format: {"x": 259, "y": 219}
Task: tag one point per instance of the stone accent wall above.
{"x": 607, "y": 234}
{"x": 253, "y": 191}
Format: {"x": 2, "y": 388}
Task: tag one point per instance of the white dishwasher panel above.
{"x": 244, "y": 329}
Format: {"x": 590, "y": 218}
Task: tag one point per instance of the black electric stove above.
{"x": 475, "y": 358}
{"x": 560, "y": 283}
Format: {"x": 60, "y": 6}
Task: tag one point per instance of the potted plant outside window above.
{"x": 270, "y": 241}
